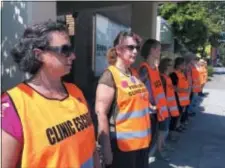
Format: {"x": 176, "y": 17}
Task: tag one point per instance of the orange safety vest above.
{"x": 170, "y": 96}
{"x": 189, "y": 78}
{"x": 182, "y": 84}
{"x": 132, "y": 125}
{"x": 202, "y": 75}
{"x": 196, "y": 85}
{"x": 134, "y": 71}
{"x": 55, "y": 131}
{"x": 158, "y": 92}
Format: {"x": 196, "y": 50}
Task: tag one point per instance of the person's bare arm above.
{"x": 11, "y": 151}
{"x": 104, "y": 98}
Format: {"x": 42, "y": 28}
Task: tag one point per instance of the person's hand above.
{"x": 153, "y": 107}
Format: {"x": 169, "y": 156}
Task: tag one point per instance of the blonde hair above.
{"x": 111, "y": 56}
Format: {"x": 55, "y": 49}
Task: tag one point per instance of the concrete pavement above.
{"x": 203, "y": 144}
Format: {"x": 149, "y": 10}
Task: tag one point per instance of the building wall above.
{"x": 143, "y": 21}
{"x": 140, "y": 16}
{"x": 41, "y": 11}
{"x": 14, "y": 20}
{"x": 16, "y": 16}
{"x": 82, "y": 73}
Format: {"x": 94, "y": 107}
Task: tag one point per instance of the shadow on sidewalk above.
{"x": 202, "y": 145}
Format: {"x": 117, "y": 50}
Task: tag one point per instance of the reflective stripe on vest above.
{"x": 132, "y": 123}
{"x": 159, "y": 97}
{"x": 172, "y": 98}
{"x": 131, "y": 135}
{"x": 183, "y": 98}
{"x": 173, "y": 108}
{"x": 133, "y": 114}
{"x": 163, "y": 109}
{"x": 61, "y": 138}
{"x": 158, "y": 92}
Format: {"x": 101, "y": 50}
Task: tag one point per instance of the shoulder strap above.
{"x": 75, "y": 92}
{"x": 145, "y": 66}
{"x": 26, "y": 89}
{"x": 164, "y": 83}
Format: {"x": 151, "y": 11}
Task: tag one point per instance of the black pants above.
{"x": 173, "y": 123}
{"x": 154, "y": 128}
{"x": 133, "y": 159}
{"x": 184, "y": 116}
{"x": 191, "y": 96}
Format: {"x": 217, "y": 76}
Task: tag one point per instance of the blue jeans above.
{"x": 164, "y": 126}
{"x": 193, "y": 99}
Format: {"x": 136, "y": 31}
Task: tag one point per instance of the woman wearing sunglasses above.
{"x": 122, "y": 108}
{"x": 46, "y": 121}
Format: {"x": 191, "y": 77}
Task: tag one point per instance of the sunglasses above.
{"x": 65, "y": 50}
{"x": 132, "y": 47}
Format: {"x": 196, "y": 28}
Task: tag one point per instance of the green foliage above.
{"x": 195, "y": 23}
{"x": 210, "y": 71}
{"x": 215, "y": 15}
{"x": 221, "y": 49}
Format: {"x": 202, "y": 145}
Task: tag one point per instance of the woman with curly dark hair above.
{"x": 46, "y": 121}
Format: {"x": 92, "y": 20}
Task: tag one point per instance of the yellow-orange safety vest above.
{"x": 55, "y": 131}
{"x": 132, "y": 125}
{"x": 158, "y": 92}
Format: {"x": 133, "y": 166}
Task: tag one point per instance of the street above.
{"x": 203, "y": 144}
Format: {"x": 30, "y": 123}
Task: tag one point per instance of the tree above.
{"x": 195, "y": 24}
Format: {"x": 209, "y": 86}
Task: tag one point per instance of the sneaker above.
{"x": 201, "y": 108}
{"x": 192, "y": 114}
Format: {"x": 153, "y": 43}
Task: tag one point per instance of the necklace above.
{"x": 126, "y": 72}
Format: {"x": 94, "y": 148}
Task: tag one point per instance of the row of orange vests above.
{"x": 132, "y": 120}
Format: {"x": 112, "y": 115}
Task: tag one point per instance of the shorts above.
{"x": 164, "y": 125}
{"x": 132, "y": 159}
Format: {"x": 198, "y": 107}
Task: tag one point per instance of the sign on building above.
{"x": 105, "y": 31}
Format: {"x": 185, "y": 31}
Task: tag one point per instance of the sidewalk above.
{"x": 203, "y": 144}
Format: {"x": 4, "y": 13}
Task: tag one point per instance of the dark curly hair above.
{"x": 146, "y": 48}
{"x": 36, "y": 36}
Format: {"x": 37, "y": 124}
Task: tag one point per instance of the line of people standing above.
{"x": 123, "y": 117}
{"x": 46, "y": 122}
